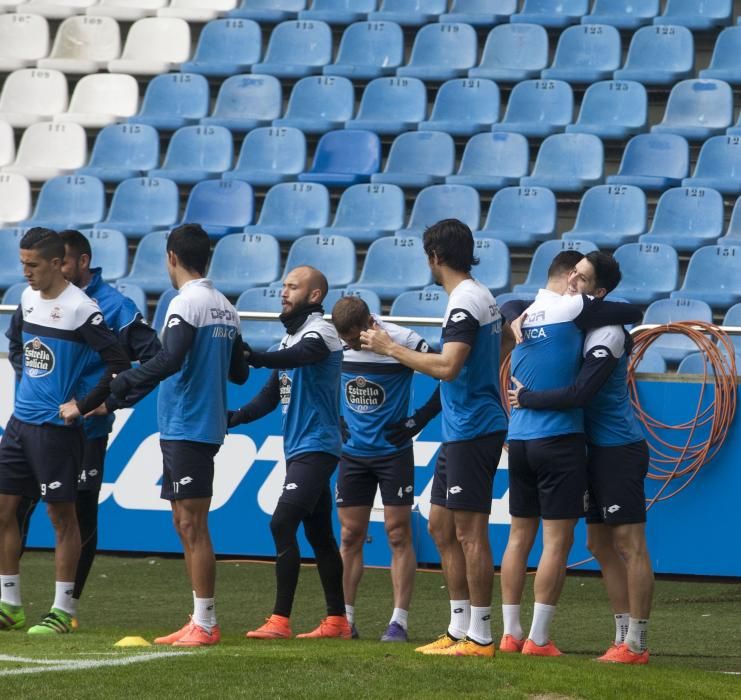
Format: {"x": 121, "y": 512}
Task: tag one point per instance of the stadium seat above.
{"x": 480, "y": 13}
{"x": 697, "y": 109}
{"x": 148, "y": 270}
{"x": 443, "y": 202}
{"x": 513, "y": 52}
{"x": 226, "y": 47}
{"x": 370, "y": 298}
{"x": 7, "y": 144}
{"x": 411, "y": 13}
{"x": 394, "y": 265}
{"x": 136, "y": 294}
{"x": 11, "y": 271}
{"x": 297, "y": 49}
{"x": 243, "y": 260}
{"x": 659, "y": 55}
{"x": 718, "y": 166}
{"x": 493, "y": 270}
{"x": 502, "y": 299}
{"x": 270, "y": 155}
{"x": 550, "y": 14}
{"x": 724, "y": 65}
{"x": 695, "y": 363}
{"x": 610, "y": 215}
{"x": 464, "y": 107}
{"x": 713, "y": 275}
{"x": 542, "y": 259}
{"x": 122, "y": 151}
{"x": 334, "y": 256}
{"x": 567, "y": 163}
{"x": 698, "y": 15}
{"x": 368, "y": 50}
{"x": 246, "y": 102}
{"x": 220, "y": 206}
{"x": 15, "y": 198}
{"x": 345, "y": 157}
{"x": 687, "y": 218}
{"x": 538, "y": 108}
{"x": 24, "y": 39}
{"x": 418, "y": 159}
{"x": 110, "y": 251}
{"x": 612, "y": 110}
{"x": 57, "y": 9}
{"x": 197, "y": 153}
{"x": 160, "y": 310}
{"x": 733, "y": 232}
{"x": 11, "y": 296}
{"x": 154, "y": 45}
{"x": 585, "y": 54}
{"x": 143, "y": 204}
{"x": 197, "y": 10}
{"x": 391, "y": 105}
{"x": 423, "y": 303}
{"x": 261, "y": 335}
{"x": 293, "y": 209}
{"x": 653, "y": 162}
{"x": 675, "y": 346}
{"x": 318, "y": 104}
{"x": 174, "y": 100}
{"x": 367, "y": 212}
{"x": 441, "y": 51}
{"x": 338, "y": 11}
{"x": 622, "y": 14}
{"x": 68, "y": 201}
{"x": 101, "y": 99}
{"x": 84, "y": 45}
{"x": 29, "y": 96}
{"x": 652, "y": 362}
{"x": 47, "y": 150}
{"x": 126, "y": 10}
{"x": 492, "y": 160}
{"x": 521, "y": 216}
{"x": 269, "y": 11}
{"x": 736, "y": 129}
{"x": 732, "y": 318}
{"x": 650, "y": 271}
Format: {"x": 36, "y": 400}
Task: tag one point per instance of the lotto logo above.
{"x": 613, "y": 508}
{"x": 600, "y": 353}
{"x": 291, "y": 487}
{"x": 185, "y": 480}
{"x": 455, "y": 490}
{"x": 55, "y": 485}
{"x": 458, "y": 317}
{"x": 97, "y": 319}
{"x": 174, "y": 321}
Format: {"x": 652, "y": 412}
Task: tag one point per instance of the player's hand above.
{"x": 247, "y": 350}
{"x": 516, "y": 326}
{"x": 69, "y": 412}
{"x": 344, "y": 430}
{"x": 514, "y": 394}
{"x": 402, "y": 431}
{"x": 101, "y": 410}
{"x": 234, "y": 418}
{"x": 376, "y": 340}
{"x": 119, "y": 385}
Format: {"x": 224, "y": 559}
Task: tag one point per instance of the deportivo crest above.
{"x": 363, "y": 395}
{"x": 284, "y": 388}
{"x": 38, "y": 358}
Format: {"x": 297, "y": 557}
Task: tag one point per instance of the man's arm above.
{"x": 140, "y": 340}
{"x": 14, "y": 334}
{"x": 263, "y": 403}
{"x": 597, "y": 313}
{"x": 400, "y": 432}
{"x": 308, "y": 351}
{"x": 239, "y": 369}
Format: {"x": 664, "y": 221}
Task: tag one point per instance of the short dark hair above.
{"x": 606, "y": 269}
{"x": 350, "y": 312}
{"x": 76, "y": 242}
{"x": 45, "y": 241}
{"x": 192, "y": 246}
{"x": 452, "y": 242}
{"x": 564, "y": 262}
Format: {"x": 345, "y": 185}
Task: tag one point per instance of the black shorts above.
{"x": 93, "y": 456}
{"x": 616, "y": 479}
{"x": 548, "y": 477}
{"x": 187, "y": 469}
{"x": 307, "y": 480}
{"x": 360, "y": 476}
{"x": 40, "y": 460}
{"x": 464, "y": 473}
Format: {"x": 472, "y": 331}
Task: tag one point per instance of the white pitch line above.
{"x": 73, "y": 665}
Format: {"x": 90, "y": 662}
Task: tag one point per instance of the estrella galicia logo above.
{"x": 284, "y": 387}
{"x": 38, "y": 358}
{"x": 363, "y": 395}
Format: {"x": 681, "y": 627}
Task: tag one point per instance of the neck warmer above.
{"x": 295, "y": 319}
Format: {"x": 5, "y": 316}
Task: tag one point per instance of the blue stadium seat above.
{"x": 612, "y": 109}
{"x": 136, "y": 294}
{"x": 12, "y": 296}
{"x": 464, "y": 107}
{"x": 674, "y": 346}
{"x": 698, "y": 15}
{"x": 521, "y": 216}
{"x": 122, "y": 151}
{"x": 394, "y": 265}
{"x": 610, "y": 215}
{"x": 622, "y": 14}
{"x": 409, "y": 13}
{"x": 586, "y": 54}
{"x": 220, "y": 206}
{"x": 68, "y": 201}
{"x": 732, "y": 318}
{"x": 160, "y": 311}
{"x": 418, "y": 159}
{"x": 659, "y": 55}
{"x": 173, "y": 100}
{"x": 424, "y": 303}
{"x": 11, "y": 271}
{"x": 542, "y": 259}
{"x": 261, "y": 335}
{"x": 567, "y": 163}
{"x": 713, "y": 275}
{"x": 226, "y": 47}
{"x": 736, "y": 129}
{"x": 653, "y": 162}
{"x": 246, "y": 102}
{"x": 538, "y": 108}
{"x": 143, "y": 204}
{"x": 491, "y": 161}
{"x": 367, "y": 212}
{"x": 391, "y": 105}
{"x": 338, "y": 11}
{"x": 197, "y": 153}
{"x": 493, "y": 270}
{"x": 268, "y": 11}
{"x": 370, "y": 298}
{"x": 149, "y": 268}
{"x": 733, "y": 232}
{"x": 718, "y": 166}
{"x": 332, "y": 255}
{"x": 243, "y": 260}
{"x": 270, "y": 155}
{"x": 319, "y": 103}
{"x": 550, "y": 14}
{"x": 697, "y": 109}
{"x": 502, "y": 299}
{"x": 110, "y": 251}
{"x": 513, "y": 52}
{"x": 695, "y": 363}
{"x": 480, "y": 13}
{"x": 724, "y": 65}
{"x": 293, "y": 209}
{"x": 687, "y": 218}
{"x": 650, "y": 271}
{"x": 652, "y": 362}
{"x": 368, "y": 50}
{"x": 442, "y": 51}
{"x": 345, "y": 157}
{"x": 297, "y": 49}
{"x": 443, "y": 202}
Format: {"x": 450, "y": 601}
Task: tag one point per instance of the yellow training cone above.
{"x": 132, "y": 642}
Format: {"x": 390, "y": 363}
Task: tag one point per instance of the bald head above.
{"x": 302, "y": 286}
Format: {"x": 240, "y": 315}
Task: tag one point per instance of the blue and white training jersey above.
{"x": 470, "y": 402}
{"x": 375, "y": 391}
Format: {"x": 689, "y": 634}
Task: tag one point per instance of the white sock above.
{"x": 511, "y": 619}
{"x": 621, "y": 627}
{"x": 350, "y": 614}
{"x": 540, "y": 630}
{"x": 63, "y": 599}
{"x": 204, "y": 613}
{"x": 400, "y": 616}
{"x": 479, "y": 628}
{"x": 10, "y": 589}
{"x": 637, "y": 637}
{"x": 460, "y": 618}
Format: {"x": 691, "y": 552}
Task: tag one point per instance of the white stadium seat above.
{"x": 15, "y": 198}
{"x": 154, "y": 45}
{"x": 50, "y": 149}
{"x": 58, "y": 9}
{"x": 197, "y": 10}
{"x": 7, "y": 144}
{"x": 100, "y": 99}
{"x": 84, "y": 45}
{"x": 126, "y": 10}
{"x": 24, "y": 39}
{"x": 31, "y": 95}
{"x": 10, "y": 5}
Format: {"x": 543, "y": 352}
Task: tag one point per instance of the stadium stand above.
{"x": 338, "y": 11}
{"x": 585, "y": 54}
{"x": 12, "y": 272}
{"x": 30, "y": 96}
{"x": 83, "y": 45}
{"x": 368, "y": 50}
{"x": 136, "y": 294}
{"x": 652, "y": 362}
{"x": 100, "y": 99}
{"x": 370, "y": 298}
{"x": 173, "y": 100}
{"x": 695, "y": 363}
{"x": 550, "y": 14}
{"x": 464, "y": 107}
{"x": 57, "y": 9}
{"x": 538, "y": 108}
{"x": 345, "y": 157}
{"x": 443, "y": 202}
{"x": 333, "y": 255}
{"x": 122, "y": 151}
{"x": 513, "y": 52}
{"x": 143, "y": 204}
{"x": 493, "y": 269}
{"x": 442, "y": 51}
{"x": 297, "y": 49}
{"x": 622, "y": 14}
{"x": 47, "y": 150}
{"x": 659, "y": 55}
{"x": 226, "y": 47}
{"x": 220, "y": 206}
{"x": 110, "y": 251}
{"x": 713, "y": 275}
{"x": 394, "y": 265}
{"x": 733, "y": 232}
{"x": 542, "y": 258}
{"x": 261, "y": 334}
{"x": 126, "y": 10}
{"x": 196, "y": 10}
{"x": 521, "y": 216}
{"x": 147, "y": 270}
{"x": 24, "y": 39}
{"x": 653, "y": 162}
{"x": 567, "y": 163}
{"x": 68, "y": 201}
{"x": 154, "y": 45}
{"x": 244, "y": 260}
{"x": 650, "y": 271}
{"x": 492, "y": 161}
{"x": 612, "y": 110}
{"x": 418, "y": 159}
{"x": 697, "y": 109}
{"x": 197, "y": 153}
{"x": 422, "y": 303}
{"x": 480, "y": 13}
{"x": 411, "y": 13}
{"x": 718, "y": 165}
{"x": 674, "y": 346}
{"x": 696, "y": 15}
{"x": 12, "y": 295}
{"x": 270, "y": 155}
{"x": 15, "y": 198}
{"x": 724, "y": 64}
{"x": 391, "y": 105}
{"x": 318, "y": 104}
{"x": 245, "y": 102}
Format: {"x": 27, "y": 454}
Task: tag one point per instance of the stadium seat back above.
{"x": 13, "y": 294}
{"x": 12, "y": 271}
{"x": 84, "y": 44}
{"x": 442, "y": 51}
{"x": 136, "y": 294}
{"x": 696, "y": 14}
{"x": 424, "y": 303}
{"x": 370, "y": 298}
{"x": 57, "y": 9}
{"x": 226, "y": 47}
{"x": 585, "y": 54}
{"x": 29, "y": 95}
{"x": 493, "y": 270}
{"x": 568, "y": 162}
{"x": 319, "y": 103}
{"x": 174, "y": 100}
{"x": 160, "y": 310}
{"x": 338, "y": 11}
{"x": 148, "y": 269}
{"x": 733, "y": 232}
{"x": 409, "y": 12}
{"x": 493, "y": 160}
{"x": 391, "y": 105}
{"x": 295, "y": 206}
{"x": 622, "y": 14}
{"x": 69, "y": 201}
{"x": 394, "y": 265}
{"x": 345, "y": 157}
{"x": 653, "y": 161}
{"x": 261, "y": 334}
{"x": 243, "y": 260}
{"x": 297, "y": 49}
{"x": 724, "y": 62}
{"x": 15, "y": 198}
{"x": 480, "y": 13}
{"x": 538, "y": 108}
{"x": 513, "y": 52}
{"x": 719, "y": 165}
{"x": 100, "y": 99}
{"x": 24, "y": 39}
{"x": 650, "y": 271}
{"x": 463, "y": 107}
{"x": 366, "y": 212}
{"x": 245, "y": 102}
{"x": 126, "y": 10}
{"x": 154, "y": 45}
{"x": 122, "y": 151}
{"x": 551, "y": 14}
{"x": 521, "y": 216}
{"x": 269, "y": 11}
{"x": 142, "y": 204}
{"x": 713, "y": 275}
{"x": 612, "y": 109}
{"x": 673, "y": 346}
{"x": 652, "y": 362}
{"x": 543, "y": 257}
{"x": 698, "y": 109}
{"x": 334, "y": 256}
{"x": 659, "y": 55}
{"x": 110, "y": 251}
{"x": 418, "y": 158}
{"x": 731, "y": 318}
{"x": 270, "y": 155}
{"x": 369, "y": 50}
{"x": 444, "y": 202}
{"x": 196, "y": 153}
{"x": 220, "y": 206}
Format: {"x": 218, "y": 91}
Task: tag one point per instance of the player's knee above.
{"x": 399, "y": 536}
{"x": 630, "y": 545}
{"x": 599, "y": 546}
{"x": 62, "y": 517}
{"x": 352, "y": 538}
{"x": 440, "y": 533}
